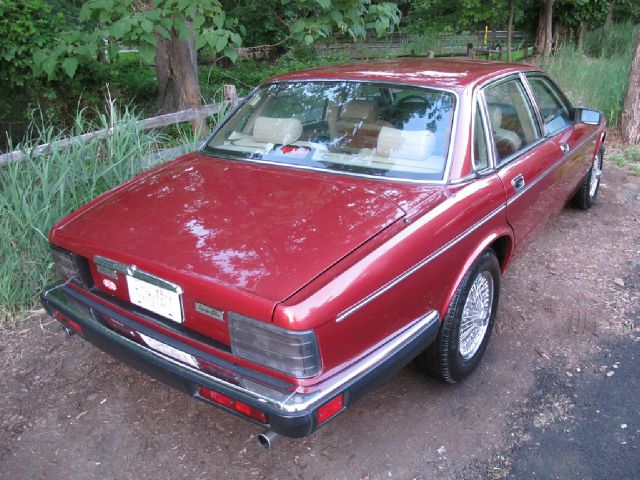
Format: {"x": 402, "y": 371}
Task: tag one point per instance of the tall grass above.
{"x": 39, "y": 190}
{"x": 597, "y": 77}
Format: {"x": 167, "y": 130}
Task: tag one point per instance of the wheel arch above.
{"x": 501, "y": 241}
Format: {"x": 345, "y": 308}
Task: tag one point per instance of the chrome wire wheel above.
{"x": 596, "y": 173}
{"x": 475, "y": 315}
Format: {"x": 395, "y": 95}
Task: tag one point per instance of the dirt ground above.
{"x": 69, "y": 411}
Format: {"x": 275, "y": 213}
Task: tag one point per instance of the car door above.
{"x": 574, "y": 153}
{"x": 522, "y": 157}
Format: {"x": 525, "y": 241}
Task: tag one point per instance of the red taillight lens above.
{"x": 67, "y": 321}
{"x": 329, "y": 409}
{"x": 236, "y": 405}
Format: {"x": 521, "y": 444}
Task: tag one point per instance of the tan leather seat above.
{"x": 358, "y": 124}
{"x": 507, "y": 142}
{"x": 277, "y": 130}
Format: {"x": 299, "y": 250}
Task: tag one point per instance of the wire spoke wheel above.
{"x": 596, "y": 173}
{"x": 475, "y": 315}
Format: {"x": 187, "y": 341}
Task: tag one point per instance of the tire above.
{"x": 448, "y": 358}
{"x": 587, "y": 193}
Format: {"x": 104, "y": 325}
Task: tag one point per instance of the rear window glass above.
{"x": 350, "y": 127}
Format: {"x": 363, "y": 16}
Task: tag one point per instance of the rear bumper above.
{"x": 291, "y": 410}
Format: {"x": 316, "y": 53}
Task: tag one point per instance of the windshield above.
{"x": 382, "y": 130}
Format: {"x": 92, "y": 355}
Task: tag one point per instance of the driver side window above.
{"x": 554, "y": 111}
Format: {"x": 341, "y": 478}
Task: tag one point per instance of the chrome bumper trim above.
{"x": 278, "y": 401}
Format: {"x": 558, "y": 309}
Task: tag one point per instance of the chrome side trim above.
{"x": 372, "y": 296}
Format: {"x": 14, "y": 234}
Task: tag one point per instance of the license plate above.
{"x": 169, "y": 351}
{"x": 155, "y": 298}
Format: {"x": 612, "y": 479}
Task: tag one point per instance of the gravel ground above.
{"x": 543, "y": 404}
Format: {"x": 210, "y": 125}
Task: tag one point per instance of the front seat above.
{"x": 507, "y": 142}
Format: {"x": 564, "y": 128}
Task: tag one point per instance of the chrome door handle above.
{"x": 518, "y": 182}
{"x": 564, "y": 147}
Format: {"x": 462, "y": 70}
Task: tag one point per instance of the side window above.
{"x": 511, "y": 118}
{"x": 554, "y": 111}
{"x": 480, "y": 151}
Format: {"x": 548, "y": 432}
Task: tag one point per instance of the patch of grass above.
{"x": 627, "y": 158}
{"x": 598, "y": 79}
{"x": 39, "y": 190}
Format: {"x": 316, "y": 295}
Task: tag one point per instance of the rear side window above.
{"x": 480, "y": 151}
{"x": 511, "y": 118}
{"x": 553, "y": 109}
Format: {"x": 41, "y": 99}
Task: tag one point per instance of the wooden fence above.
{"x": 399, "y": 45}
{"x": 190, "y": 115}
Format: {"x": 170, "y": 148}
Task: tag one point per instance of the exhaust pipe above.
{"x": 67, "y": 331}
{"x": 267, "y": 439}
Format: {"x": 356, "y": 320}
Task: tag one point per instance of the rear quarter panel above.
{"x": 413, "y": 272}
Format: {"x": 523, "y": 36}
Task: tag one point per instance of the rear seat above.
{"x": 269, "y": 130}
{"x": 358, "y": 124}
{"x": 410, "y": 149}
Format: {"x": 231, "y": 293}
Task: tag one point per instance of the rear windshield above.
{"x": 350, "y": 127}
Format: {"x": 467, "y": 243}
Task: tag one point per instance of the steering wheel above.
{"x": 411, "y": 99}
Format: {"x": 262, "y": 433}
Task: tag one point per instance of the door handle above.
{"x": 518, "y": 183}
{"x": 564, "y": 147}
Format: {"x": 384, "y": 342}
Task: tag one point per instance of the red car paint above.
{"x": 352, "y": 258}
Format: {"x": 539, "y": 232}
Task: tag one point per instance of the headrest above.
{"x": 277, "y": 130}
{"x": 495, "y": 116}
{"x": 359, "y": 109}
{"x": 407, "y": 145}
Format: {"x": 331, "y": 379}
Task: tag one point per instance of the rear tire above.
{"x": 586, "y": 195}
{"x": 467, "y": 325}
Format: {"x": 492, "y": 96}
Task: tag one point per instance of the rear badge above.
{"x": 210, "y": 311}
{"x": 109, "y": 284}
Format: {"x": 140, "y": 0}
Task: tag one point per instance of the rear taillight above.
{"x": 292, "y": 352}
{"x": 237, "y": 405}
{"x": 70, "y": 267}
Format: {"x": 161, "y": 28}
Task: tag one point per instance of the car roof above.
{"x": 454, "y": 74}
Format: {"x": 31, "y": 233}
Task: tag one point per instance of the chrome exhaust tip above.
{"x": 67, "y": 331}
{"x": 267, "y": 439}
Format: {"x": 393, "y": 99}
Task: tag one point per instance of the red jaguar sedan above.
{"x": 339, "y": 223}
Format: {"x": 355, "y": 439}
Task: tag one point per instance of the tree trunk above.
{"x": 510, "y": 29}
{"x": 544, "y": 33}
{"x": 609, "y": 21}
{"x": 548, "y": 37}
{"x": 582, "y": 28}
{"x": 177, "y": 75}
{"x": 631, "y": 108}
{"x": 538, "y": 44}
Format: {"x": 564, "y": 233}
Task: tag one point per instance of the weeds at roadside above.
{"x": 41, "y": 189}
{"x": 598, "y": 76}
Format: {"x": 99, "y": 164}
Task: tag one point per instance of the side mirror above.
{"x": 588, "y": 116}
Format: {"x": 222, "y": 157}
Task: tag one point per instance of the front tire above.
{"x": 467, "y": 325}
{"x": 586, "y": 195}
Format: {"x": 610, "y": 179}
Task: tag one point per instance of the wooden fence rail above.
{"x": 190, "y": 115}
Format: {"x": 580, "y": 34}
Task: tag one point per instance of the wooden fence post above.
{"x": 471, "y": 52}
{"x": 231, "y": 94}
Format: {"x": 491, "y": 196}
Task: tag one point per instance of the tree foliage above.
{"x": 114, "y": 24}
{"x": 25, "y": 28}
